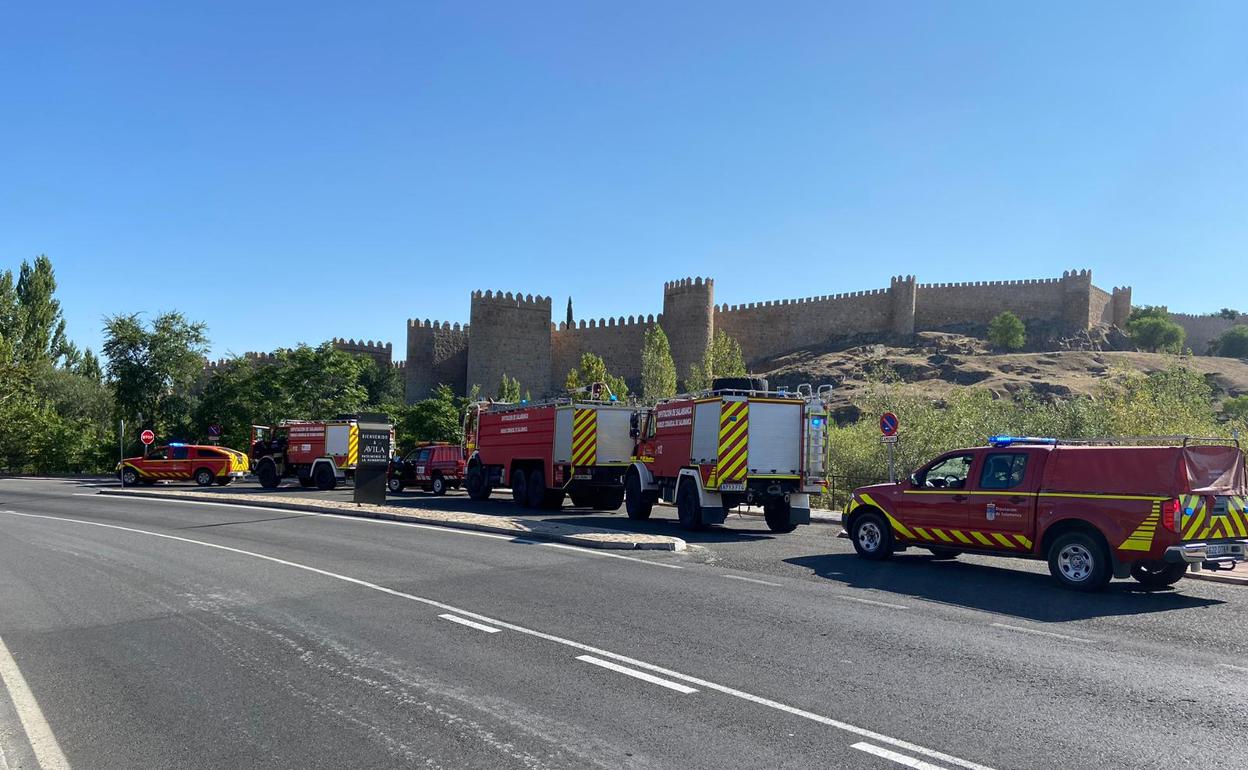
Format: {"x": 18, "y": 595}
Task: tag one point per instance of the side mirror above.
{"x": 914, "y": 479}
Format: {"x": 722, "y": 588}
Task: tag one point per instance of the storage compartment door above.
{"x": 563, "y": 435}
{"x": 615, "y": 446}
{"x": 705, "y": 446}
{"x": 775, "y": 445}
{"x": 337, "y": 437}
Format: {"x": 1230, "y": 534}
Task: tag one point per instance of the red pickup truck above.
{"x": 1093, "y": 512}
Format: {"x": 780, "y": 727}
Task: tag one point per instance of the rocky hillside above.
{"x": 938, "y": 362}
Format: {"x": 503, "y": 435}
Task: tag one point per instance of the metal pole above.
{"x": 892, "y": 473}
{"x": 121, "y": 441}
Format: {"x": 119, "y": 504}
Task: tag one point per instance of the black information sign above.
{"x": 373, "y": 463}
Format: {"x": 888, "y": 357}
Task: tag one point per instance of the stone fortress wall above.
{"x": 513, "y": 333}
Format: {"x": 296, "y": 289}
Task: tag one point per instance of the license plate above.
{"x": 732, "y": 486}
{"x": 584, "y": 477}
{"x": 1223, "y": 550}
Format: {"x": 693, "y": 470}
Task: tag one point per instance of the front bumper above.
{"x": 1198, "y": 553}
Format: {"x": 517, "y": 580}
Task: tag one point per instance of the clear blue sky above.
{"x": 258, "y": 165}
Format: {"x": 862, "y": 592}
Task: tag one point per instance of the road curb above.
{"x": 1220, "y": 576}
{"x": 585, "y": 537}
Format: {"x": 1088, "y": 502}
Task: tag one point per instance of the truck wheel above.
{"x": 267, "y": 474}
{"x": 1080, "y": 562}
{"x": 582, "y": 498}
{"x": 1157, "y": 574}
{"x": 688, "y": 507}
{"x": 519, "y": 488}
{"x": 438, "y": 486}
{"x": 776, "y": 513}
{"x": 394, "y": 484}
{"x": 609, "y": 499}
{"x": 635, "y": 501}
{"x": 129, "y": 477}
{"x": 536, "y": 488}
{"x": 324, "y": 477}
{"x": 204, "y": 477}
{"x": 943, "y": 554}
{"x": 871, "y": 537}
{"x": 474, "y": 480}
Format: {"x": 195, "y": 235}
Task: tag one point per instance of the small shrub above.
{"x": 1006, "y": 332}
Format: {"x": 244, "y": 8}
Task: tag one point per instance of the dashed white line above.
{"x": 1038, "y": 632}
{"x": 42, "y": 741}
{"x": 703, "y": 683}
{"x": 893, "y": 756}
{"x": 642, "y": 675}
{"x": 873, "y": 602}
{"x": 470, "y": 623}
{"x": 750, "y": 580}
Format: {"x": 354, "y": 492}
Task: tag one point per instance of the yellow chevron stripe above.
{"x": 923, "y": 533}
{"x": 1000, "y": 538}
{"x": 897, "y": 525}
{"x": 961, "y": 536}
{"x": 943, "y": 536}
{"x": 1024, "y": 541}
{"x": 980, "y": 537}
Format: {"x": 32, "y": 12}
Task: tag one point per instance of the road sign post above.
{"x": 888, "y": 427}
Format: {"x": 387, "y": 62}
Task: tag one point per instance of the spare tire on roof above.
{"x": 739, "y": 383}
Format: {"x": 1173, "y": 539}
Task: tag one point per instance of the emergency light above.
{"x": 1000, "y": 441}
{"x": 816, "y": 421}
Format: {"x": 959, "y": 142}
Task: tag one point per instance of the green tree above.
{"x": 384, "y": 385}
{"x": 723, "y": 358}
{"x": 1006, "y": 332}
{"x": 1233, "y": 343}
{"x": 40, "y": 328}
{"x": 1229, "y": 314}
{"x": 1156, "y": 334}
{"x": 594, "y": 369}
{"x": 438, "y": 418}
{"x": 322, "y": 382}
{"x": 153, "y": 367}
{"x": 658, "y": 371}
{"x": 508, "y": 389}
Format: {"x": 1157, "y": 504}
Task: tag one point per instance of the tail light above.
{"x": 1171, "y": 514}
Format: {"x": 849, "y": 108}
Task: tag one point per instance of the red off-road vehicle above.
{"x": 432, "y": 467}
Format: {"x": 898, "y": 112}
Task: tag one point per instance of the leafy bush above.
{"x": 1006, "y": 332}
{"x": 1236, "y": 408}
{"x": 1233, "y": 343}
{"x": 1153, "y": 330}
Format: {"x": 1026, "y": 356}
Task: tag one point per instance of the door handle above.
{"x": 959, "y": 498}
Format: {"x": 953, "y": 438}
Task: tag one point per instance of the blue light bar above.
{"x": 613, "y": 398}
{"x": 816, "y": 421}
{"x": 1009, "y": 440}
{"x": 177, "y": 444}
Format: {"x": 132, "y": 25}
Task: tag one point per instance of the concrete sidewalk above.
{"x": 572, "y": 534}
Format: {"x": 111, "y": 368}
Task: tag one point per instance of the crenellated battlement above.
{"x": 416, "y": 323}
{"x": 507, "y": 299}
{"x": 604, "y": 323}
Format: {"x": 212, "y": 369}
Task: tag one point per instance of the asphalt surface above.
{"x": 160, "y": 634}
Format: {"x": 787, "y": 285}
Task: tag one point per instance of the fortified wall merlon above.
{"x": 514, "y": 333}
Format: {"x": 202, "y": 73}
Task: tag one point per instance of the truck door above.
{"x": 936, "y": 499}
{"x": 1003, "y": 499}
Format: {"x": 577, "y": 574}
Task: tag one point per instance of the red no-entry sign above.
{"x": 147, "y": 437}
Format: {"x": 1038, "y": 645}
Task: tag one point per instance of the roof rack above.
{"x": 1005, "y": 440}
{"x": 803, "y": 392}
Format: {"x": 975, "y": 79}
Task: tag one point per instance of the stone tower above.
{"x": 509, "y": 334}
{"x": 902, "y": 292}
{"x": 688, "y": 320}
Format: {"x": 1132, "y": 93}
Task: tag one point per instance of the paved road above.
{"x": 161, "y": 634}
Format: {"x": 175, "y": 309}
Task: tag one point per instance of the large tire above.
{"x": 129, "y": 477}
{"x": 635, "y": 501}
{"x": 1080, "y": 562}
{"x": 688, "y": 507}
{"x": 204, "y": 477}
{"x": 535, "y": 491}
{"x": 739, "y": 383}
{"x": 324, "y": 477}
{"x": 777, "y": 512}
{"x": 944, "y": 554}
{"x": 475, "y": 481}
{"x": 609, "y": 499}
{"x": 520, "y": 488}
{"x": 871, "y": 536}
{"x": 394, "y": 484}
{"x": 267, "y": 474}
{"x": 1157, "y": 574}
{"x": 438, "y": 484}
{"x": 582, "y": 498}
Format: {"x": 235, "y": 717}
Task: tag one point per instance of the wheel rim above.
{"x": 869, "y": 536}
{"x": 129, "y": 477}
{"x": 394, "y": 485}
{"x": 204, "y": 479}
{"x": 437, "y": 485}
{"x": 1075, "y": 562}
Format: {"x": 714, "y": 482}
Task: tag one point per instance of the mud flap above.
{"x": 799, "y": 509}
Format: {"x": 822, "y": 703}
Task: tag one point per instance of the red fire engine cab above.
{"x": 319, "y": 453}
{"x": 546, "y": 451}
{"x": 738, "y": 443}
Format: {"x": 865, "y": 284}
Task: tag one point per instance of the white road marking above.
{"x": 703, "y": 683}
{"x": 42, "y": 742}
{"x": 751, "y": 580}
{"x": 1041, "y": 633}
{"x": 351, "y": 518}
{"x": 470, "y": 623}
{"x": 872, "y": 602}
{"x": 642, "y": 675}
{"x": 893, "y": 756}
{"x": 1233, "y": 667}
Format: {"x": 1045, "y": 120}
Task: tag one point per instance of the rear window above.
{"x": 208, "y": 454}
{"x": 1003, "y": 470}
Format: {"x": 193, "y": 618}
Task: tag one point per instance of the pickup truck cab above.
{"x": 432, "y": 467}
{"x": 1093, "y": 512}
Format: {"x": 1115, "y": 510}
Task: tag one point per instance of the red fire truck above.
{"x": 546, "y": 451}
{"x": 319, "y": 453}
{"x": 1094, "y": 511}
{"x": 738, "y": 443}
